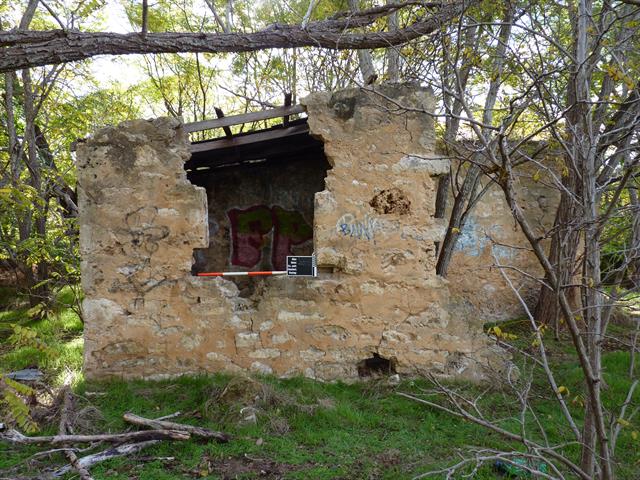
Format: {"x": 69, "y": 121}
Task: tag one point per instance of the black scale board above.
{"x": 301, "y": 266}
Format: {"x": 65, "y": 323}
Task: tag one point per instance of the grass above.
{"x": 60, "y": 331}
{"x": 362, "y": 431}
{"x": 304, "y": 429}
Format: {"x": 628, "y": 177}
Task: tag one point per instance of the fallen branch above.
{"x": 460, "y": 412}
{"x": 16, "y": 437}
{"x": 171, "y": 415}
{"x": 64, "y": 428}
{"x": 220, "y": 437}
{"x": 119, "y": 451}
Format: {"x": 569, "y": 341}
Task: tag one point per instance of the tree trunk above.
{"x": 393, "y": 54}
{"x": 563, "y": 252}
{"x": 466, "y": 198}
{"x": 364, "y": 56}
{"x": 38, "y": 291}
{"x": 453, "y": 108}
{"x": 458, "y": 215}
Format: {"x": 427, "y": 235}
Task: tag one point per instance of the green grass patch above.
{"x": 60, "y": 331}
{"x": 311, "y": 430}
{"x": 306, "y": 429}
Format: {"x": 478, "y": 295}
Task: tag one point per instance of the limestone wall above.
{"x": 374, "y": 233}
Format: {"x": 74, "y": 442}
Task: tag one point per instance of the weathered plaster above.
{"x": 474, "y": 279}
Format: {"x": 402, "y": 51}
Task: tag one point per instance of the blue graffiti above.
{"x": 473, "y": 239}
{"x": 364, "y": 229}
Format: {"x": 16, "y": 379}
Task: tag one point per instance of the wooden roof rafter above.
{"x": 250, "y": 137}
{"x": 284, "y": 111}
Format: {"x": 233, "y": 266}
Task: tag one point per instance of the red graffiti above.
{"x": 249, "y": 229}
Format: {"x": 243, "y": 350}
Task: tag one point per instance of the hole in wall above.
{"x": 260, "y": 192}
{"x": 391, "y": 200}
{"x": 376, "y": 365}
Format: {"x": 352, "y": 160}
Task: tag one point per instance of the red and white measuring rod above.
{"x": 241, "y": 274}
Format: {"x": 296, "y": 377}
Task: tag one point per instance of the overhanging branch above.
{"x": 24, "y": 49}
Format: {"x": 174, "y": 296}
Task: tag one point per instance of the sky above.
{"x": 111, "y": 69}
{"x": 127, "y": 70}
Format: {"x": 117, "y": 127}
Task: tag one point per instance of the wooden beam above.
{"x": 220, "y": 114}
{"x": 280, "y": 148}
{"x": 205, "y": 171}
{"x": 249, "y": 138}
{"x": 243, "y": 118}
{"x": 287, "y": 102}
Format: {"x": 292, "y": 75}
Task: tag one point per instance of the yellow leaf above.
{"x": 562, "y": 390}
{"x": 455, "y": 230}
{"x": 623, "y": 422}
{"x": 634, "y": 435}
{"x": 536, "y": 176}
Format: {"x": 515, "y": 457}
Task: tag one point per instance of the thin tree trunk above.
{"x": 584, "y": 150}
{"x": 393, "y": 53}
{"x": 592, "y": 378}
{"x": 453, "y": 108}
{"x": 364, "y": 56}
{"x": 41, "y": 291}
{"x": 17, "y": 155}
{"x": 634, "y": 254}
{"x": 563, "y": 252}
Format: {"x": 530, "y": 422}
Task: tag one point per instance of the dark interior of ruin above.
{"x": 260, "y": 191}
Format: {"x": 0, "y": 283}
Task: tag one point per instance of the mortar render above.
{"x": 146, "y": 316}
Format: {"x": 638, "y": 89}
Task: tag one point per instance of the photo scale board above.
{"x": 302, "y": 266}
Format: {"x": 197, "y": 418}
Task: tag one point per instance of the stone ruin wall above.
{"x": 374, "y": 232}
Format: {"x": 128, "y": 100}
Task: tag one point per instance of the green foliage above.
{"x": 50, "y": 340}
{"x": 26, "y": 337}
{"x": 13, "y": 398}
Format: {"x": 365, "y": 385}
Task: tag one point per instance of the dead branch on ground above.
{"x": 159, "y": 425}
{"x": 64, "y": 428}
{"x": 127, "y": 443}
{"x": 15, "y": 437}
{"x": 93, "y": 459}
